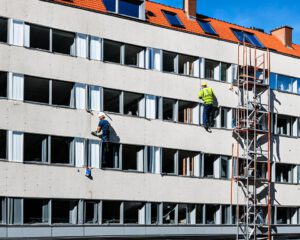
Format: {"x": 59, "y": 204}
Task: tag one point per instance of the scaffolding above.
{"x": 252, "y": 164}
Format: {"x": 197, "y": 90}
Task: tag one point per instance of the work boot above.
{"x": 206, "y": 127}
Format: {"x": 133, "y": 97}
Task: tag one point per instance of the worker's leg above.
{"x": 205, "y": 115}
{"x": 210, "y": 115}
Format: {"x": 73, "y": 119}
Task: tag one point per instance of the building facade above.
{"x": 142, "y": 63}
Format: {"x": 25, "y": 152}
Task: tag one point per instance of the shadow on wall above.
{"x": 275, "y": 140}
{"x": 113, "y": 135}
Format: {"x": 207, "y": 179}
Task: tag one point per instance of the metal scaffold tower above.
{"x": 252, "y": 164}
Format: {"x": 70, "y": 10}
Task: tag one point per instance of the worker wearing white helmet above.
{"x": 103, "y": 126}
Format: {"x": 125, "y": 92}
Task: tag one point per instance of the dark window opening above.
{"x": 133, "y": 104}
{"x": 186, "y": 163}
{"x": 111, "y": 100}
{"x": 206, "y": 27}
{"x": 62, "y": 93}
{"x": 186, "y": 111}
{"x": 169, "y": 62}
{"x": 134, "y": 56}
{"x": 64, "y": 211}
{"x": 110, "y": 5}
{"x": 224, "y": 117}
{"x": 211, "y": 68}
{"x": 36, "y": 89}
{"x": 209, "y": 160}
{"x": 2, "y": 211}
{"x": 39, "y": 37}
{"x": 3, "y": 84}
{"x": 63, "y": 42}
{"x": 132, "y": 157}
{"x": 173, "y": 19}
{"x": 3, "y": 144}
{"x": 182, "y": 213}
{"x": 284, "y": 173}
{"x": 225, "y": 72}
{"x": 112, "y": 51}
{"x": 90, "y": 212}
{"x": 186, "y": 64}
{"x": 131, "y": 212}
{"x": 211, "y": 211}
{"x": 3, "y": 30}
{"x": 35, "y": 148}
{"x": 225, "y": 214}
{"x": 168, "y": 161}
{"x": 154, "y": 213}
{"x": 169, "y": 213}
{"x": 111, "y": 212}
{"x": 169, "y": 109}
{"x": 225, "y": 167}
{"x": 110, "y": 155}
{"x": 35, "y": 211}
{"x": 61, "y": 150}
{"x": 199, "y": 214}
{"x": 129, "y": 8}
{"x": 282, "y": 215}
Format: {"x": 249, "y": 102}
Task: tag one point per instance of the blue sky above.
{"x": 265, "y": 14}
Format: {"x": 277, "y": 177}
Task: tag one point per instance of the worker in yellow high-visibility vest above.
{"x": 207, "y": 95}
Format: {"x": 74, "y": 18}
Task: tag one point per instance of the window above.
{"x": 3, "y": 210}
{"x": 39, "y": 37}
{"x": 207, "y": 28}
{"x": 169, "y": 62}
{"x": 134, "y": 104}
{"x": 248, "y": 38}
{"x": 224, "y": 117}
{"x": 225, "y": 214}
{"x": 112, "y": 51}
{"x": 225, "y": 167}
{"x": 130, "y": 8}
{"x": 211, "y": 69}
{"x": 286, "y": 125}
{"x": 61, "y": 150}
{"x": 90, "y": 212}
{"x": 111, "y": 100}
{"x": 36, "y": 211}
{"x": 132, "y": 157}
{"x": 111, "y": 212}
{"x": 63, "y": 42}
{"x": 284, "y": 83}
{"x": 3, "y": 144}
{"x": 15, "y": 211}
{"x": 3, "y": 84}
{"x": 209, "y": 160}
{"x": 199, "y": 213}
{"x": 36, "y": 89}
{"x": 187, "y": 65}
{"x": 186, "y": 162}
{"x": 62, "y": 93}
{"x": 64, "y": 211}
{"x": 225, "y": 67}
{"x": 169, "y": 109}
{"x": 211, "y": 211}
{"x": 183, "y": 213}
{"x": 284, "y": 173}
{"x": 35, "y": 148}
{"x": 188, "y": 112}
{"x": 132, "y": 212}
{"x": 110, "y": 5}
{"x": 110, "y": 155}
{"x": 134, "y": 56}
{"x": 3, "y": 30}
{"x": 286, "y": 215}
{"x": 168, "y": 161}
{"x": 169, "y": 213}
{"x": 154, "y": 213}
{"x": 173, "y": 19}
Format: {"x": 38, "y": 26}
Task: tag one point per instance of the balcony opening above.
{"x": 199, "y": 214}
{"x": 284, "y": 173}
{"x": 169, "y": 62}
{"x": 63, "y": 42}
{"x": 168, "y": 161}
{"x": 3, "y": 30}
{"x": 36, "y": 89}
{"x": 111, "y": 212}
{"x": 35, "y": 148}
{"x": 3, "y": 84}
{"x": 90, "y": 212}
{"x": 186, "y": 65}
{"x": 134, "y": 56}
{"x": 211, "y": 69}
{"x": 64, "y": 211}
{"x": 169, "y": 213}
{"x": 35, "y": 211}
{"x": 225, "y": 67}
{"x": 111, "y": 100}
{"x": 3, "y": 144}
{"x": 169, "y": 109}
{"x": 39, "y": 37}
{"x": 61, "y": 150}
{"x": 182, "y": 213}
{"x": 154, "y": 213}
{"x": 134, "y": 104}
{"x": 112, "y": 51}
{"x": 209, "y": 161}
{"x": 187, "y": 112}
{"x": 186, "y": 162}
{"x": 211, "y": 211}
{"x": 130, "y": 8}
{"x": 132, "y": 212}
{"x": 62, "y": 93}
{"x": 132, "y": 157}
{"x": 110, "y": 155}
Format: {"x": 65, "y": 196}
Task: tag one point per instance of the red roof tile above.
{"x": 155, "y": 16}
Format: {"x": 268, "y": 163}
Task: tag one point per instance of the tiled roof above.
{"x": 154, "y": 15}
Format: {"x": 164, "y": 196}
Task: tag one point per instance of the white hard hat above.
{"x": 100, "y": 114}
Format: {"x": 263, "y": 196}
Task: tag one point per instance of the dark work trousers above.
{"x": 207, "y": 115}
{"x": 105, "y": 149}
